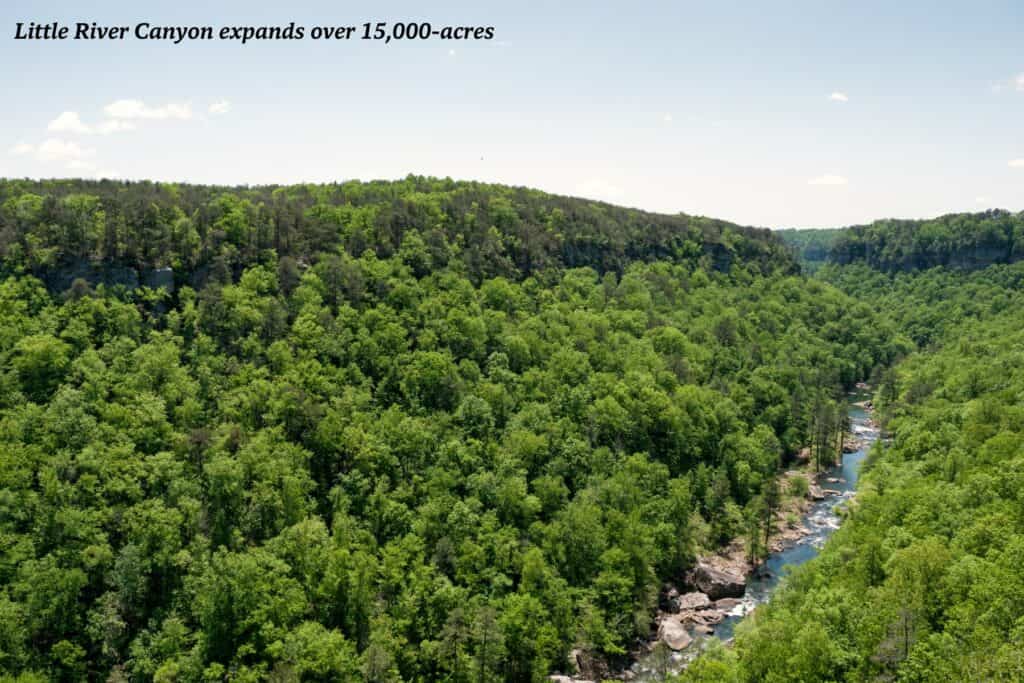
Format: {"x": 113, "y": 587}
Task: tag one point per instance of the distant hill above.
{"x": 66, "y": 229}
{"x": 966, "y": 241}
{"x": 811, "y": 246}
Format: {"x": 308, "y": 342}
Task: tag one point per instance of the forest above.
{"x": 420, "y": 430}
{"x": 923, "y": 581}
{"x": 958, "y": 241}
{"x": 429, "y": 430}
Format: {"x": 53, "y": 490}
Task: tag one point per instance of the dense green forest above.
{"x": 923, "y": 581}
{"x": 961, "y": 241}
{"x": 420, "y": 430}
{"x": 432, "y": 430}
{"x": 116, "y": 231}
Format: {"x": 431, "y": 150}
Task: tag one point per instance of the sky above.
{"x": 782, "y": 114}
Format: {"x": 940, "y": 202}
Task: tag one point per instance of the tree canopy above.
{"x": 420, "y": 430}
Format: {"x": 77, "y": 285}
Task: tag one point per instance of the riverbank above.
{"x": 723, "y": 587}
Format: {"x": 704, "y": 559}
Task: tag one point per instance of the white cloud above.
{"x": 1012, "y": 83}
{"x": 1015, "y": 163}
{"x": 113, "y": 126}
{"x": 68, "y": 122}
{"x": 71, "y": 122}
{"x": 79, "y": 165}
{"x": 828, "y": 179}
{"x": 22, "y": 148}
{"x": 221, "y": 106}
{"x": 60, "y": 150}
{"x": 839, "y": 97}
{"x": 137, "y": 109}
{"x": 982, "y": 200}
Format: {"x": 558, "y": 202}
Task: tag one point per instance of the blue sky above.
{"x": 784, "y": 114}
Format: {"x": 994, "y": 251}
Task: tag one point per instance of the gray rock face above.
{"x": 716, "y": 583}
{"x": 60, "y": 277}
{"x": 673, "y": 633}
{"x": 726, "y": 604}
{"x": 159, "y": 278}
{"x": 693, "y": 600}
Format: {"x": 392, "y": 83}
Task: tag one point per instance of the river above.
{"x": 821, "y": 519}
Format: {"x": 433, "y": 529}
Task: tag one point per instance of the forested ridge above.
{"x": 57, "y": 228}
{"x": 962, "y": 241}
{"x": 924, "y": 580}
{"x": 420, "y": 430}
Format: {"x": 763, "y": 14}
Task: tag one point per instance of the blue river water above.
{"x": 820, "y": 519}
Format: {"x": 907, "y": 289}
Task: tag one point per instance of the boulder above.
{"x": 726, "y": 604}
{"x": 717, "y": 583}
{"x": 559, "y": 678}
{"x": 708, "y": 617}
{"x": 711, "y": 616}
{"x": 814, "y": 492}
{"x": 673, "y": 634}
{"x": 695, "y": 600}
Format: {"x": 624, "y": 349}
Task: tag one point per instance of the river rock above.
{"x": 695, "y": 600}
{"x": 726, "y": 604}
{"x": 673, "y": 634}
{"x": 814, "y": 492}
{"x": 717, "y": 583}
{"x": 706, "y": 617}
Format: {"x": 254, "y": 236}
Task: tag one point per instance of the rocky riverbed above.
{"x": 722, "y": 588}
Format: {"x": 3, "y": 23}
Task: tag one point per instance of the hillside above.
{"x": 922, "y": 581}
{"x": 965, "y": 241}
{"x": 420, "y": 430}
{"x": 118, "y": 232}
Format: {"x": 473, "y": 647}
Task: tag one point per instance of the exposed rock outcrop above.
{"x": 717, "y": 583}
{"x": 693, "y": 600}
{"x": 673, "y": 633}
